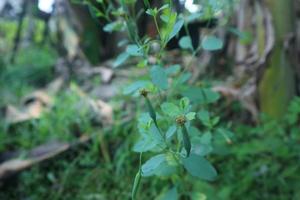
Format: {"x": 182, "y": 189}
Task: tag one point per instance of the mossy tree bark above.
{"x": 277, "y": 85}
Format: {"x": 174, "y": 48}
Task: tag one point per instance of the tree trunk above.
{"x": 277, "y": 85}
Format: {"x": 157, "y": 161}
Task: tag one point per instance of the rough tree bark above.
{"x": 277, "y": 85}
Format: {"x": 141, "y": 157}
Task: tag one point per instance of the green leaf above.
{"x": 212, "y": 43}
{"x": 165, "y": 169}
{"x": 147, "y": 4}
{"x": 199, "y": 167}
{"x": 146, "y": 143}
{"x": 157, "y": 135}
{"x": 173, "y": 69}
{"x": 164, "y": 18}
{"x": 201, "y": 143}
{"x": 152, "y": 12}
{"x": 215, "y": 121}
{"x": 200, "y": 95}
{"x": 204, "y": 116}
{"x": 134, "y": 50}
{"x": 171, "y": 194}
{"x": 184, "y": 103}
{"x": 170, "y": 109}
{"x": 143, "y": 63}
{"x": 206, "y": 138}
{"x": 186, "y": 141}
{"x": 186, "y": 43}
{"x": 151, "y": 110}
{"x": 183, "y": 78}
{"x": 226, "y": 134}
{"x": 190, "y": 116}
{"x": 163, "y": 7}
{"x": 136, "y": 184}
{"x": 121, "y": 59}
{"x": 170, "y": 132}
{"x": 114, "y": 26}
{"x": 130, "y": 1}
{"x": 198, "y": 196}
{"x": 201, "y": 149}
{"x": 135, "y": 86}
{"x": 194, "y": 16}
{"x": 159, "y": 77}
{"x": 152, "y": 164}
{"x": 178, "y": 25}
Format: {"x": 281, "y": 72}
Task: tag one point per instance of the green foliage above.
{"x": 66, "y": 118}
{"x": 199, "y": 167}
{"x": 262, "y": 162}
{"x": 167, "y": 128}
{"x": 33, "y": 68}
{"x": 211, "y": 43}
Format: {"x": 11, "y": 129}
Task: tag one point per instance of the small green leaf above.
{"x": 200, "y": 95}
{"x": 201, "y": 144}
{"x": 204, "y": 116}
{"x": 190, "y": 116}
{"x": 151, "y": 110}
{"x": 157, "y": 135}
{"x": 159, "y": 77}
{"x": 114, "y": 26}
{"x": 184, "y": 103}
{"x": 173, "y": 69}
{"x": 152, "y": 12}
{"x": 186, "y": 43}
{"x": 186, "y": 141}
{"x": 194, "y": 16}
{"x": 134, "y": 50}
{"x": 130, "y": 1}
{"x": 165, "y": 169}
{"x": 136, "y": 184}
{"x": 177, "y": 27}
{"x": 171, "y": 194}
{"x": 152, "y": 164}
{"x": 164, "y": 18}
{"x": 184, "y": 78}
{"x": 170, "y": 109}
{"x": 215, "y": 121}
{"x": 199, "y": 167}
{"x": 170, "y": 132}
{"x": 226, "y": 134}
{"x": 121, "y": 59}
{"x": 147, "y": 4}
{"x": 149, "y": 143}
{"x": 135, "y": 86}
{"x": 212, "y": 43}
{"x": 163, "y": 7}
{"x": 143, "y": 63}
{"x": 206, "y": 138}
{"x": 198, "y": 196}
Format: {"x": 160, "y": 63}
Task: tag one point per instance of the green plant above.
{"x": 180, "y": 145}
{"x": 263, "y": 163}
